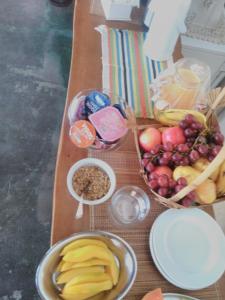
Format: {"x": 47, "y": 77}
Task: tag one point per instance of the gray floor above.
{"x": 35, "y": 49}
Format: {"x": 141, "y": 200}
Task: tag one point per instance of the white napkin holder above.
{"x": 119, "y": 10}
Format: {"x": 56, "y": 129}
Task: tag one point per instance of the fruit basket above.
{"x": 182, "y": 155}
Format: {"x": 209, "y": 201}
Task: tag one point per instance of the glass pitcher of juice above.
{"x": 184, "y": 85}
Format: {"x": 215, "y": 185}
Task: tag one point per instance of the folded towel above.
{"x": 166, "y": 21}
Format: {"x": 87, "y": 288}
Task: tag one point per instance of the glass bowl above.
{"x": 76, "y": 112}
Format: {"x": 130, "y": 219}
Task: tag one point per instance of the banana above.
{"x": 91, "y": 262}
{"x": 220, "y": 184}
{"x": 81, "y": 243}
{"x": 88, "y": 278}
{"x": 86, "y": 253}
{"x": 85, "y": 290}
{"x": 66, "y": 276}
{"x": 172, "y": 117}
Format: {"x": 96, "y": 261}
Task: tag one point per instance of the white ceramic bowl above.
{"x": 91, "y": 162}
{"x": 125, "y": 257}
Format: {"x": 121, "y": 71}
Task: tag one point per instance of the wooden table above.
{"x": 85, "y": 73}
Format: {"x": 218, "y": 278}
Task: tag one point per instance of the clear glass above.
{"x": 129, "y": 205}
{"x": 184, "y": 85}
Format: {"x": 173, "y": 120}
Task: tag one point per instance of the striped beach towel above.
{"x": 127, "y": 72}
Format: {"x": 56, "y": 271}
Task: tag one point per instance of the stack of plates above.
{"x": 188, "y": 247}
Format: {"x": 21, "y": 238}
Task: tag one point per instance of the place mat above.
{"x": 126, "y": 71}
{"x": 125, "y": 164}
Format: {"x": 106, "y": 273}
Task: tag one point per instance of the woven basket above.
{"x": 216, "y": 100}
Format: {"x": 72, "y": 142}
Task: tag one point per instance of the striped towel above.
{"x": 127, "y": 72}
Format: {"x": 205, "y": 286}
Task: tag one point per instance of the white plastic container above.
{"x": 119, "y": 9}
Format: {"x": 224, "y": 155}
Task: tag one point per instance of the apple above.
{"x": 163, "y": 170}
{"x": 149, "y": 138}
{"x": 174, "y": 135}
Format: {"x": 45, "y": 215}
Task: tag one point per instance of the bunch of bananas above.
{"x": 172, "y": 117}
{"x": 87, "y": 268}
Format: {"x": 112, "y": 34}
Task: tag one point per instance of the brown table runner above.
{"x": 86, "y": 73}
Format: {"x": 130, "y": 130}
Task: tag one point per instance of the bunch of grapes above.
{"x": 167, "y": 187}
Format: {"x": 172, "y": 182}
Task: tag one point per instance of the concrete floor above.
{"x": 35, "y": 54}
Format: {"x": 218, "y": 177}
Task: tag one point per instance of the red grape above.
{"x": 153, "y": 184}
{"x": 196, "y": 125}
{"x": 218, "y": 138}
{"x": 163, "y": 181}
{"x": 184, "y": 162}
{"x": 210, "y": 158}
{"x": 194, "y": 155}
{"x": 203, "y": 149}
{"x": 183, "y": 124}
{"x": 153, "y": 175}
{"x": 168, "y": 146}
{"x": 178, "y": 188}
{"x": 216, "y": 150}
{"x": 186, "y": 202}
{"x": 189, "y": 118}
{"x": 144, "y": 162}
{"x": 182, "y": 181}
{"x": 163, "y": 161}
{"x": 167, "y": 155}
{"x": 183, "y": 148}
{"x": 162, "y": 191}
{"x": 191, "y": 196}
{"x": 190, "y": 144}
{"x": 188, "y": 132}
{"x": 176, "y": 157}
{"x": 172, "y": 183}
{"x": 150, "y": 167}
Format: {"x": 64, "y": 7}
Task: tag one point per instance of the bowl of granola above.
{"x": 91, "y": 181}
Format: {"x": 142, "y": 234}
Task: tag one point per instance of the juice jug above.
{"x": 184, "y": 85}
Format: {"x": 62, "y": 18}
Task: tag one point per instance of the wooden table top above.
{"x": 85, "y": 73}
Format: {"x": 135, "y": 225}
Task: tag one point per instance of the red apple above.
{"x": 149, "y": 138}
{"x": 174, "y": 135}
{"x": 163, "y": 170}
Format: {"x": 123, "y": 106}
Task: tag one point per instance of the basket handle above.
{"x": 216, "y": 103}
{"x": 201, "y": 178}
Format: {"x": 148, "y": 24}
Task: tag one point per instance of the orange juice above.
{"x": 186, "y": 87}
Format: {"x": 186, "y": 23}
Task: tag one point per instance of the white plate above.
{"x": 189, "y": 247}
{"x": 169, "y": 279}
{"x": 170, "y": 296}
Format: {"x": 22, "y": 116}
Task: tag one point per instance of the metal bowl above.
{"x": 123, "y": 252}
